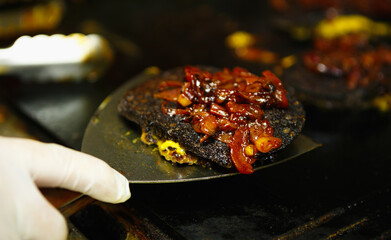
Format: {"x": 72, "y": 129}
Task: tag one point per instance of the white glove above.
{"x": 26, "y": 164}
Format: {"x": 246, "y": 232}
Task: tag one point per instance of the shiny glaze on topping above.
{"x": 229, "y": 106}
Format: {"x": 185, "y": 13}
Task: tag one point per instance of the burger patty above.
{"x": 140, "y": 106}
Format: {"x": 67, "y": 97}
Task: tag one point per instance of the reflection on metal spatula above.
{"x": 57, "y": 57}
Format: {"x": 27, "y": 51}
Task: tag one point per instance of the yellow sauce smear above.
{"x": 171, "y": 150}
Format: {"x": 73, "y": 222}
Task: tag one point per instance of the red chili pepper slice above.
{"x": 238, "y": 156}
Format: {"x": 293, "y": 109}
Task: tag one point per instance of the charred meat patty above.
{"x": 230, "y": 118}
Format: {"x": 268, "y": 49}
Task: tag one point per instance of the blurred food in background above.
{"x": 304, "y": 18}
{"x": 244, "y": 45}
{"x": 35, "y": 49}
{"x": 249, "y": 47}
{"x": 29, "y": 17}
{"x": 346, "y": 59}
{"x": 374, "y": 8}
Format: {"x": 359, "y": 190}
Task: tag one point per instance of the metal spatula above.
{"x": 58, "y": 57}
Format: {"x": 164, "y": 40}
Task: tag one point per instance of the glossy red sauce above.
{"x": 228, "y": 106}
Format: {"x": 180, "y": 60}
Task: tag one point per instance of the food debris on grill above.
{"x": 204, "y": 116}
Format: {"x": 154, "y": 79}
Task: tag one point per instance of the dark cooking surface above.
{"x": 346, "y": 180}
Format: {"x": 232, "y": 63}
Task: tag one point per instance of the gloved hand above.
{"x": 26, "y": 165}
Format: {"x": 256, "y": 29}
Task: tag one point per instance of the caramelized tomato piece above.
{"x": 218, "y": 110}
{"x": 226, "y": 125}
{"x": 266, "y": 144}
{"x": 280, "y": 92}
{"x": 183, "y": 100}
{"x": 237, "y": 147}
{"x": 169, "y": 84}
{"x": 205, "y": 123}
{"x": 169, "y": 95}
